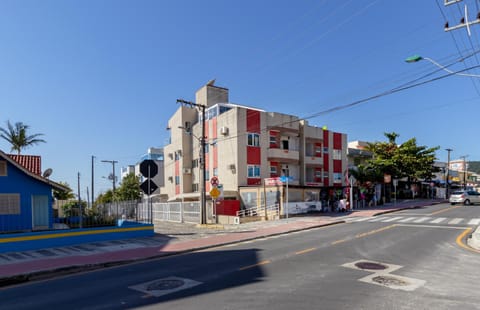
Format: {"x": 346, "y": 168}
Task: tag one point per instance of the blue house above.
{"x": 26, "y": 197}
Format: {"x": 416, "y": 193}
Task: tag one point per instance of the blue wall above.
{"x": 15, "y": 182}
{"x": 50, "y": 239}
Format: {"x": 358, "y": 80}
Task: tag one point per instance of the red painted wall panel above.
{"x": 253, "y": 121}
{"x": 337, "y": 141}
{"x": 253, "y": 155}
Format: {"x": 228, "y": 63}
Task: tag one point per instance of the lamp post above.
{"x": 417, "y": 58}
{"x": 203, "y": 173}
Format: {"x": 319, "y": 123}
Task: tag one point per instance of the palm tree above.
{"x": 17, "y": 136}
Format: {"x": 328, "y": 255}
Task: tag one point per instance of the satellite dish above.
{"x": 47, "y": 173}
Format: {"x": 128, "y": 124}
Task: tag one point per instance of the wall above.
{"x": 41, "y": 240}
{"x": 17, "y": 181}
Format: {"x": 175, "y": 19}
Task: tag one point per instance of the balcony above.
{"x": 314, "y": 161}
{"x": 283, "y": 155}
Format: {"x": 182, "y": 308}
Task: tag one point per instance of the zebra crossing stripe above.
{"x": 439, "y": 220}
{"x": 474, "y": 222}
{"x": 422, "y": 219}
{"x": 455, "y": 221}
{"x": 377, "y": 219}
{"x": 361, "y": 219}
{"x": 393, "y": 219}
{"x": 407, "y": 219}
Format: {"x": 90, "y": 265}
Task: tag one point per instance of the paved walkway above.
{"x": 170, "y": 238}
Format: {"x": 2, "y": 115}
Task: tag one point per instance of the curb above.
{"x": 69, "y": 270}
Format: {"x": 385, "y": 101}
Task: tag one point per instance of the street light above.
{"x": 417, "y": 58}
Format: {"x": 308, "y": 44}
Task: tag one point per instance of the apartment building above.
{"x": 247, "y": 146}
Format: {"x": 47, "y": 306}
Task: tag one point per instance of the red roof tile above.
{"x": 32, "y": 163}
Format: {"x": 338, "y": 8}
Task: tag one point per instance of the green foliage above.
{"x": 129, "y": 188}
{"x": 64, "y": 195}
{"x": 104, "y": 198}
{"x": 474, "y": 166}
{"x": 405, "y": 160}
{"x": 18, "y": 138}
{"x": 72, "y": 208}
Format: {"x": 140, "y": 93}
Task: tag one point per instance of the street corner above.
{"x": 211, "y": 226}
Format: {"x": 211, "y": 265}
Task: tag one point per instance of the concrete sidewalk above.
{"x": 170, "y": 239}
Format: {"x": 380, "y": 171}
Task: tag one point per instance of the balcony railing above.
{"x": 291, "y": 155}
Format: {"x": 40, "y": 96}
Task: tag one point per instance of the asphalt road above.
{"x": 385, "y": 262}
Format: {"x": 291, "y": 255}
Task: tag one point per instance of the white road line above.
{"x": 408, "y": 219}
{"x": 474, "y": 222}
{"x": 455, "y": 221}
{"x": 393, "y": 219}
{"x": 439, "y": 220}
{"x": 377, "y": 219}
{"x": 431, "y": 226}
{"x": 422, "y": 219}
{"x": 361, "y": 219}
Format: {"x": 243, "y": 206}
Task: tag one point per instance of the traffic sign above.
{"x": 284, "y": 178}
{"x": 148, "y": 186}
{"x": 214, "y": 193}
{"x": 148, "y": 168}
{"x": 214, "y": 181}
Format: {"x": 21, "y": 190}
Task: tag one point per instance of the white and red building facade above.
{"x": 247, "y": 146}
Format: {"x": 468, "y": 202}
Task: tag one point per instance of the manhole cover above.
{"x": 389, "y": 281}
{"x": 370, "y": 266}
{"x": 162, "y": 285}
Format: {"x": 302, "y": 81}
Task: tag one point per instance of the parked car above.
{"x": 465, "y": 197}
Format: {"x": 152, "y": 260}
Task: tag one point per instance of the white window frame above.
{"x": 337, "y": 154}
{"x": 253, "y": 139}
{"x": 255, "y": 169}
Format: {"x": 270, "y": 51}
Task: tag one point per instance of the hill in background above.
{"x": 474, "y": 166}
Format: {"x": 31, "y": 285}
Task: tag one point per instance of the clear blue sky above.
{"x": 102, "y": 77}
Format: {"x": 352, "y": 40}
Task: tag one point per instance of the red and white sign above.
{"x": 214, "y": 181}
{"x": 273, "y": 182}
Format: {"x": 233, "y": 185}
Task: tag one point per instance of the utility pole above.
{"x": 93, "y": 180}
{"x": 79, "y": 201}
{"x": 464, "y": 21}
{"x": 113, "y": 162}
{"x": 203, "y": 173}
{"x": 448, "y": 173}
{"x": 464, "y": 171}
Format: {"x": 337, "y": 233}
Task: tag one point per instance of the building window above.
{"x": 318, "y": 174}
{"x": 253, "y": 139}
{"x": 253, "y": 171}
{"x": 195, "y": 187}
{"x": 215, "y": 172}
{"x": 9, "y": 204}
{"x": 207, "y": 175}
{"x": 177, "y": 180}
{"x": 273, "y": 141}
{"x": 318, "y": 150}
{"x": 337, "y": 154}
{"x": 195, "y": 163}
{"x": 325, "y": 174}
{"x": 325, "y": 150}
{"x": 273, "y": 170}
{"x": 3, "y": 168}
{"x": 337, "y": 177}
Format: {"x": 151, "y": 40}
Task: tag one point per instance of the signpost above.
{"x": 214, "y": 193}
{"x": 285, "y": 179}
{"x": 149, "y": 169}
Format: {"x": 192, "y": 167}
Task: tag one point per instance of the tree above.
{"x": 129, "y": 188}
{"x": 18, "y": 138}
{"x": 64, "y": 195}
{"x": 104, "y": 198}
{"x": 407, "y": 160}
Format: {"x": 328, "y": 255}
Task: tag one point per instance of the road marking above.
{"x": 455, "y": 221}
{"x": 463, "y": 245}
{"x": 361, "y": 219}
{"x": 393, "y": 219}
{"x": 439, "y": 220}
{"x": 368, "y": 233}
{"x": 422, "y": 219}
{"x": 255, "y": 265}
{"x": 408, "y": 219}
{"x": 305, "y": 251}
{"x": 431, "y": 226}
{"x": 474, "y": 222}
{"x": 444, "y": 210}
{"x": 377, "y": 219}
{"x": 339, "y": 241}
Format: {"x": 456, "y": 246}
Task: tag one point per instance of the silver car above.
{"x": 465, "y": 197}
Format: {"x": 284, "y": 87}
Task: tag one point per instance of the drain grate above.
{"x": 389, "y": 281}
{"x": 162, "y": 285}
{"x": 370, "y": 266}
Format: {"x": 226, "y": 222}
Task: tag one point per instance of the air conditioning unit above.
{"x": 224, "y": 130}
{"x": 231, "y": 166}
{"x": 187, "y": 171}
{"x": 170, "y": 179}
{"x": 170, "y": 155}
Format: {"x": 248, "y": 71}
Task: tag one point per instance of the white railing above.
{"x": 259, "y": 211}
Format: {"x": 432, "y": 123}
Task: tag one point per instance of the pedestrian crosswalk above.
{"x": 417, "y": 220}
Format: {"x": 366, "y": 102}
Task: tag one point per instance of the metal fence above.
{"x": 181, "y": 212}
